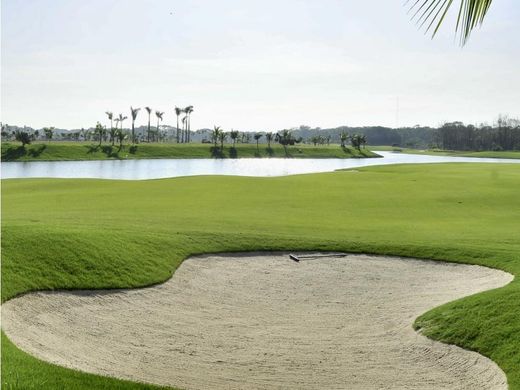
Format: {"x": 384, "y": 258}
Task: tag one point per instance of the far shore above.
{"x": 79, "y": 151}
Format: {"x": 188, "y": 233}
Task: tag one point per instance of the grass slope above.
{"x": 438, "y": 152}
{"x": 107, "y": 234}
{"x": 55, "y": 151}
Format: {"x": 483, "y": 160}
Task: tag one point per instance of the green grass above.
{"x": 70, "y": 234}
{"x": 439, "y": 152}
{"x": 55, "y": 151}
{"x": 22, "y": 371}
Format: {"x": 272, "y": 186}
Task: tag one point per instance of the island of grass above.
{"x": 87, "y": 234}
{"x": 61, "y": 151}
{"x": 440, "y": 152}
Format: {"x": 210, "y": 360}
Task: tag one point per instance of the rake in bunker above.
{"x": 297, "y": 258}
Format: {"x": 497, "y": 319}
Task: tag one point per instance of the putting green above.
{"x": 108, "y": 234}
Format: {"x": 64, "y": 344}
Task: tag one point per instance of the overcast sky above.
{"x": 252, "y": 64}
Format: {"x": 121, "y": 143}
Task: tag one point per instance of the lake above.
{"x": 163, "y": 168}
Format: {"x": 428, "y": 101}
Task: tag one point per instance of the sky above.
{"x": 252, "y": 65}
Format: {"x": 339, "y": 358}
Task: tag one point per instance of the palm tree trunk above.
{"x": 177, "y": 128}
{"x": 189, "y": 128}
{"x": 148, "y": 134}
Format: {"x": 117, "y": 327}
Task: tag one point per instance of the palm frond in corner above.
{"x": 430, "y": 14}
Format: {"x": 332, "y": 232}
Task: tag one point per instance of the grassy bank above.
{"x": 107, "y": 234}
{"x": 437, "y": 152}
{"x": 56, "y": 151}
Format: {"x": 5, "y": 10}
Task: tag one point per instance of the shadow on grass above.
{"x": 110, "y": 151}
{"x": 233, "y": 153}
{"x": 36, "y": 151}
{"x": 346, "y": 150}
{"x": 269, "y": 151}
{"x": 92, "y": 148}
{"x": 216, "y": 152}
{"x": 13, "y": 153}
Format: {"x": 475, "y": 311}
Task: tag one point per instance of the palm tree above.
{"x": 222, "y": 137}
{"x": 285, "y": 138}
{"x": 188, "y": 110}
{"x": 343, "y": 137}
{"x": 269, "y": 137}
{"x": 122, "y": 119}
{"x": 121, "y": 136}
{"x": 257, "y": 137}
{"x": 110, "y": 116}
{"x": 134, "y": 112}
{"x": 357, "y": 140}
{"x": 149, "y": 111}
{"x": 215, "y": 134}
{"x": 178, "y": 111}
{"x": 183, "y": 134}
{"x": 363, "y": 140}
{"x": 115, "y": 133}
{"x": 159, "y": 116}
{"x": 186, "y": 120}
{"x": 233, "y": 134}
{"x": 431, "y": 13}
{"x": 100, "y": 131}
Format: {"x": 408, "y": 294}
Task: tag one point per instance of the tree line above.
{"x": 504, "y": 134}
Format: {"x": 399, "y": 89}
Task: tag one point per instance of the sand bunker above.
{"x": 265, "y": 322}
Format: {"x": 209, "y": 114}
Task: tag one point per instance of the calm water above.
{"x": 162, "y": 168}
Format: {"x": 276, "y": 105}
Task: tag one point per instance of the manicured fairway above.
{"x": 55, "y": 151}
{"x": 435, "y": 152}
{"x": 101, "y": 234}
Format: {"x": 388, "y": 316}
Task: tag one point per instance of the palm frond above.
{"x": 431, "y": 13}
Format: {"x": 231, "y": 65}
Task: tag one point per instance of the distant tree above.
{"x": 257, "y": 137}
{"x": 178, "y": 112}
{"x": 111, "y": 118}
{"x": 48, "y": 131}
{"x": 363, "y": 140}
{"x": 122, "y": 119}
{"x": 184, "y": 127}
{"x": 233, "y": 134}
{"x": 285, "y": 139}
{"x": 134, "y": 112}
{"x": 149, "y": 111}
{"x": 159, "y": 116}
{"x": 113, "y": 133}
{"x": 23, "y": 137}
{"x": 343, "y": 137}
{"x": 121, "y": 136}
{"x": 222, "y": 137}
{"x": 358, "y": 140}
{"x": 188, "y": 110}
{"x": 99, "y": 131}
{"x": 269, "y": 138}
{"x": 215, "y": 134}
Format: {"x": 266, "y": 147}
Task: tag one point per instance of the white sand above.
{"x": 264, "y": 322}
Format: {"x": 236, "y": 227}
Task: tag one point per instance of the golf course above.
{"x": 79, "y": 234}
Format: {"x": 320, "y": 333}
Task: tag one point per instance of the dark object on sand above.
{"x": 302, "y": 257}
